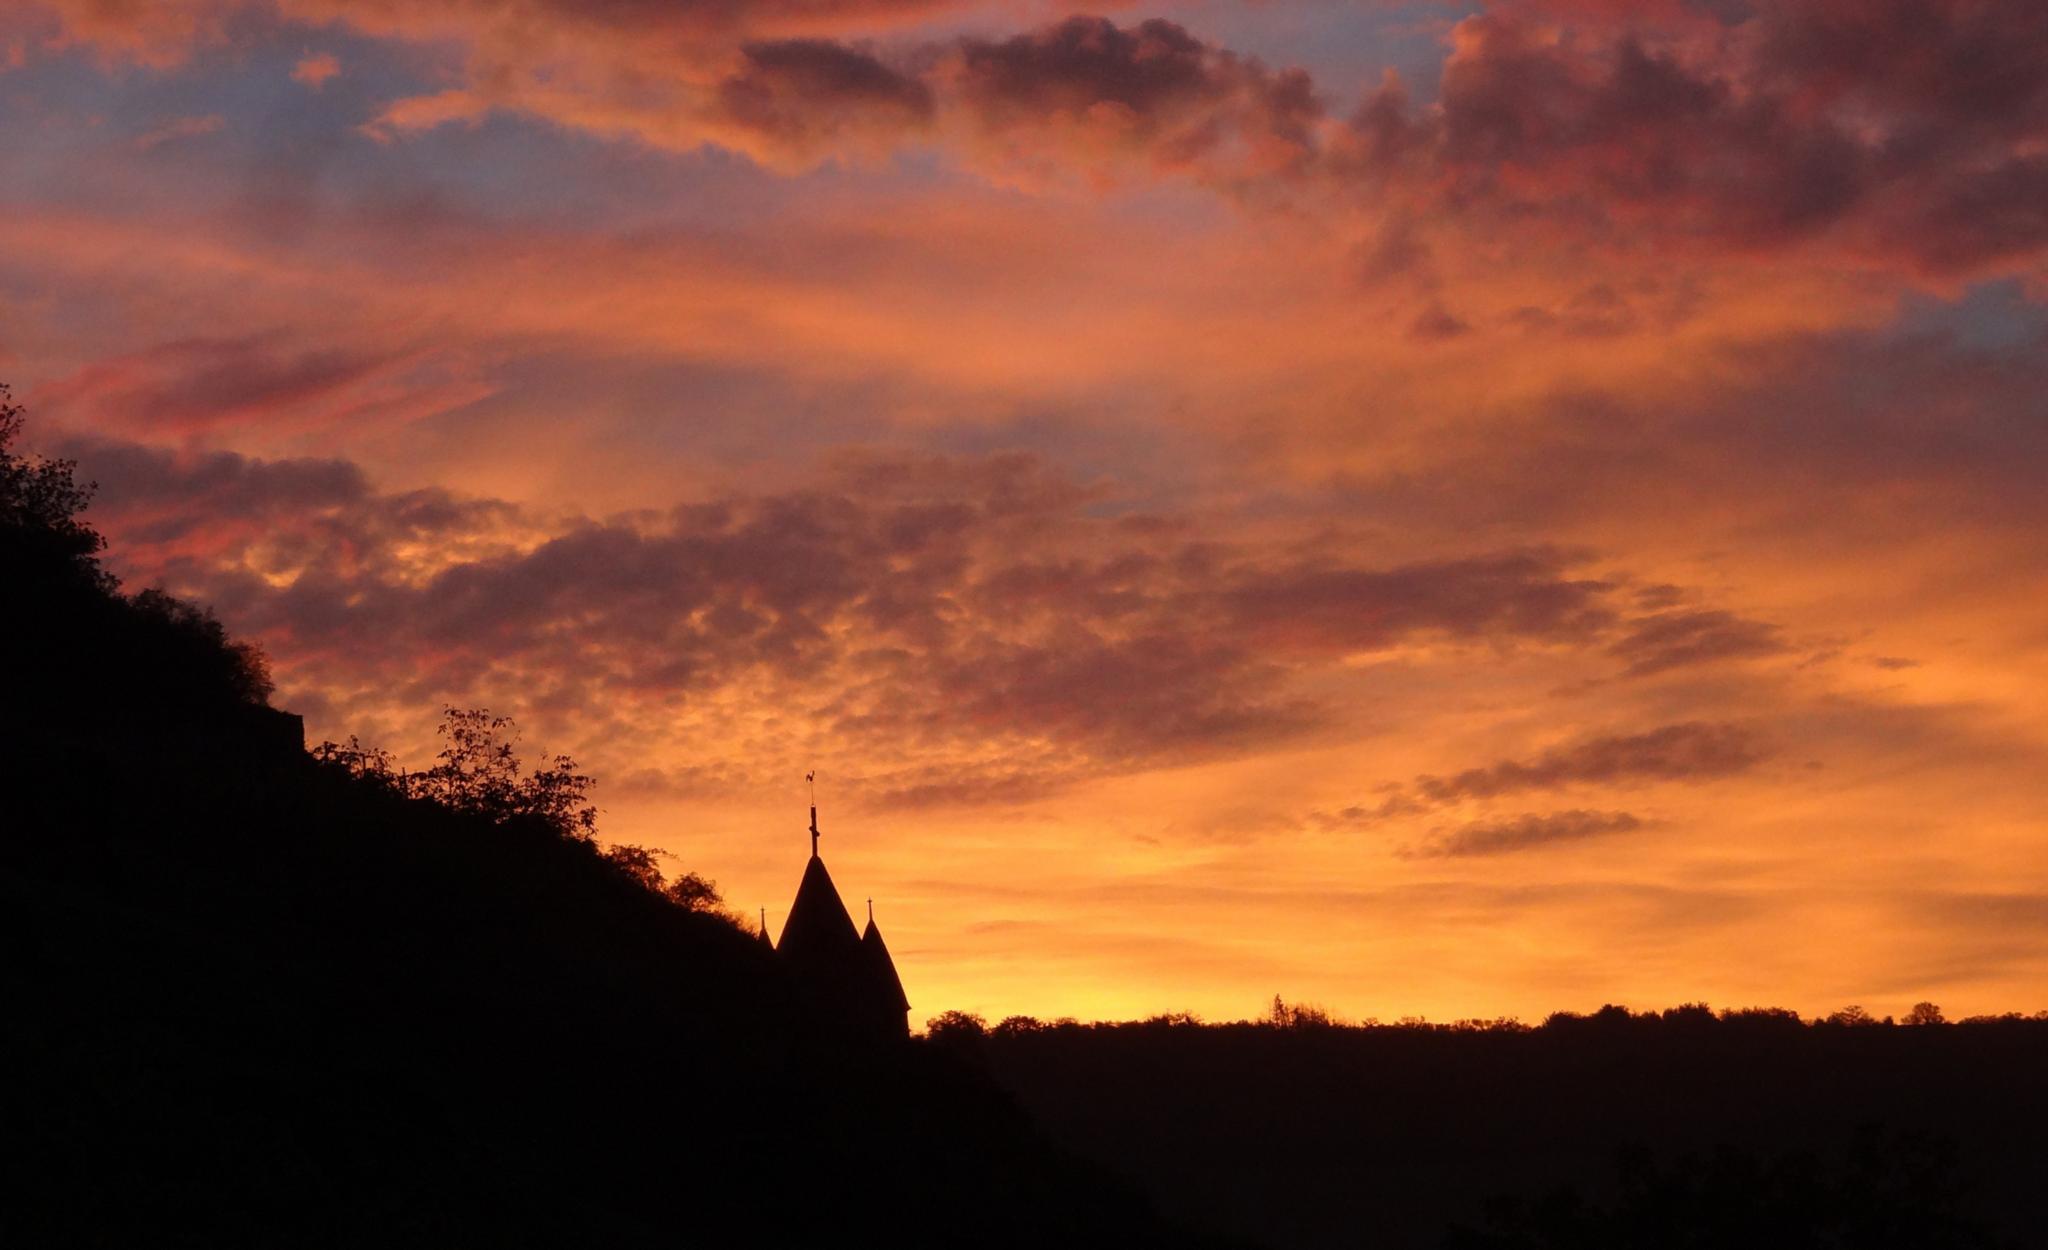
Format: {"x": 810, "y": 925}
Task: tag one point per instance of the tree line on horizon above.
{"x": 1611, "y": 1130}
{"x": 969, "y": 1027}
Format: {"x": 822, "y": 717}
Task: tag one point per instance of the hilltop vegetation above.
{"x": 257, "y": 996}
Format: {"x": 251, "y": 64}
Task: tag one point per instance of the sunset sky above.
{"x": 1427, "y": 509}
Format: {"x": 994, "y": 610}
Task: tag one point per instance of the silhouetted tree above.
{"x": 1286, "y": 1015}
{"x": 371, "y": 766}
{"x": 157, "y": 655}
{"x": 40, "y": 503}
{"x": 638, "y": 862}
{"x": 1763, "y": 1017}
{"x": 1924, "y": 1013}
{"x": 1851, "y": 1016}
{"x": 1690, "y": 1015}
{"x": 695, "y": 893}
{"x": 200, "y": 650}
{"x": 690, "y": 891}
{"x": 956, "y": 1026}
{"x": 479, "y": 772}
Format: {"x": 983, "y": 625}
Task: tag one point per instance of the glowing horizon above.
{"x": 1447, "y": 510}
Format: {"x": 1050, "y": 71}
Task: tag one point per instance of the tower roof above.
{"x": 881, "y": 968}
{"x": 818, "y": 930}
{"x": 849, "y": 975}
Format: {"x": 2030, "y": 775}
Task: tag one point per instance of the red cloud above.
{"x": 193, "y": 384}
{"x": 1152, "y": 90}
{"x": 1906, "y": 130}
{"x": 809, "y": 97}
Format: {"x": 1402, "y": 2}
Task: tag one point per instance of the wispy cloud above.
{"x": 1524, "y": 833}
{"x": 176, "y": 129}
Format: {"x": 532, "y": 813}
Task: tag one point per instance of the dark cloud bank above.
{"x": 1906, "y": 132}
{"x": 932, "y": 602}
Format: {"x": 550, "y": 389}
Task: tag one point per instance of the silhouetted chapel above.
{"x": 849, "y": 973}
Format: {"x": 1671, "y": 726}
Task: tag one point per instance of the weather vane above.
{"x": 811, "y": 779}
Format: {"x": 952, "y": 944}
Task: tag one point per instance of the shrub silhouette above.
{"x": 1924, "y": 1013}
{"x": 478, "y": 773}
{"x": 961, "y": 1029}
{"x": 695, "y": 893}
{"x": 76, "y": 646}
{"x": 40, "y": 505}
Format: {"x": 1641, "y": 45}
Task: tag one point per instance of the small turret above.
{"x": 892, "y": 1005}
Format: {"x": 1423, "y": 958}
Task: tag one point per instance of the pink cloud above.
{"x": 314, "y": 70}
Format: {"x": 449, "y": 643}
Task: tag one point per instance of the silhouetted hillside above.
{"x": 251, "y": 997}
{"x": 1749, "y": 1129}
{"x": 255, "y": 999}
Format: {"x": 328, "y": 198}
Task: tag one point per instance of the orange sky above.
{"x": 1427, "y": 509}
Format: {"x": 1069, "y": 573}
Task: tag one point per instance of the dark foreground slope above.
{"x": 1677, "y": 1131}
{"x": 246, "y": 999}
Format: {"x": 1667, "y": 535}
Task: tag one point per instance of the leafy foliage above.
{"x": 1924, "y": 1013}
{"x": 373, "y": 767}
{"x": 193, "y": 640}
{"x": 639, "y": 863}
{"x": 695, "y": 893}
{"x": 149, "y": 649}
{"x": 956, "y": 1028}
{"x": 478, "y": 772}
{"x": 690, "y": 891}
{"x": 40, "y": 503}
{"x": 1286, "y": 1015}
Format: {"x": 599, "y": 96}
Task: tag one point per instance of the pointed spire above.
{"x": 882, "y": 969}
{"x": 765, "y": 939}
